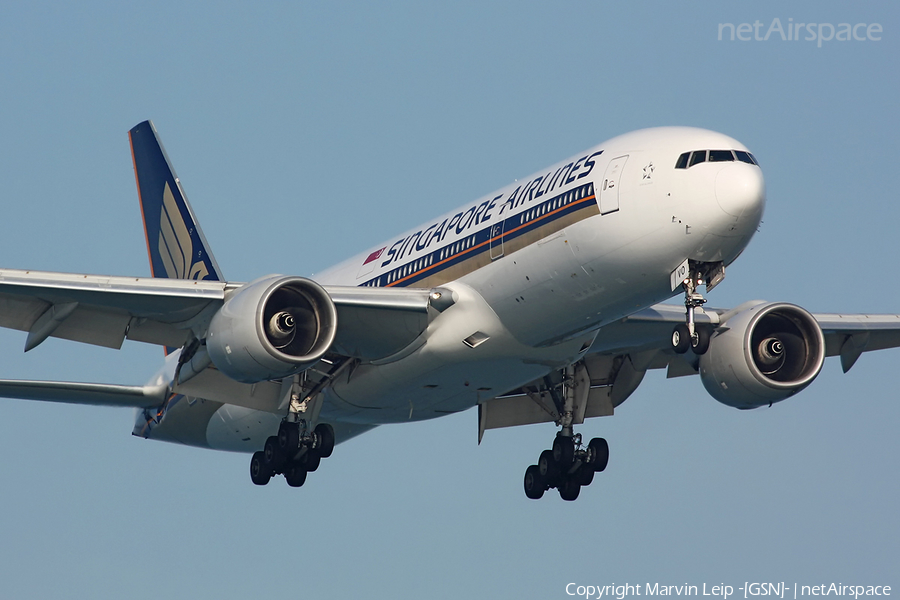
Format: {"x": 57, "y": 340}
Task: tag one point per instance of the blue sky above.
{"x": 307, "y": 132}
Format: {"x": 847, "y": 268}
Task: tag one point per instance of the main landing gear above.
{"x": 298, "y": 448}
{"x": 294, "y": 452}
{"x": 690, "y": 335}
{"x": 567, "y": 466}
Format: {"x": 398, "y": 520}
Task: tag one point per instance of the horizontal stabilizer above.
{"x": 96, "y": 394}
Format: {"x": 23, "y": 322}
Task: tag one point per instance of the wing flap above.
{"x": 20, "y": 312}
{"x": 98, "y": 326}
{"x": 378, "y": 322}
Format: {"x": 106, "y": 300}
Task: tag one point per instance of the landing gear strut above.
{"x": 689, "y": 334}
{"x": 570, "y": 464}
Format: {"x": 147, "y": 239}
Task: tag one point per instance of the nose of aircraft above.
{"x": 741, "y": 190}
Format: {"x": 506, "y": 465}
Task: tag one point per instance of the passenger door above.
{"x": 609, "y": 186}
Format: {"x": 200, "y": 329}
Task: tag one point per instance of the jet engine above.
{"x": 762, "y": 355}
{"x": 272, "y": 328}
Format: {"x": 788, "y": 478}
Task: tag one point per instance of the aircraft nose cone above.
{"x": 740, "y": 190}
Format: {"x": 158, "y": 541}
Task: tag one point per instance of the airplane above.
{"x": 541, "y": 302}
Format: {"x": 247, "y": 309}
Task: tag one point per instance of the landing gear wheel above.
{"x": 563, "y": 451}
{"x": 700, "y": 340}
{"x": 289, "y": 438}
{"x": 548, "y": 469}
{"x": 569, "y": 489}
{"x": 324, "y": 439}
{"x": 534, "y": 483}
{"x": 260, "y": 473}
{"x": 295, "y": 474}
{"x": 310, "y": 461}
{"x": 584, "y": 475}
{"x": 599, "y": 451}
{"x": 681, "y": 339}
{"x": 273, "y": 454}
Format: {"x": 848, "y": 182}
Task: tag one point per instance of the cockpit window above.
{"x": 744, "y": 157}
{"x": 720, "y": 155}
{"x": 689, "y": 159}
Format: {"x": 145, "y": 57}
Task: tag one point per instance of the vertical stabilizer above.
{"x": 177, "y": 247}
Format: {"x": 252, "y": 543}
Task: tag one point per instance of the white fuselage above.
{"x": 537, "y": 269}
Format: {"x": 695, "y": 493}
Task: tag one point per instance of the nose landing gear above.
{"x": 690, "y": 335}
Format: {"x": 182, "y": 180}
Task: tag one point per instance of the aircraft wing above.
{"x": 624, "y": 351}
{"x": 846, "y": 335}
{"x": 105, "y": 310}
{"x": 101, "y": 310}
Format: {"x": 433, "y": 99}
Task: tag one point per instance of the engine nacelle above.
{"x": 762, "y": 355}
{"x": 271, "y": 328}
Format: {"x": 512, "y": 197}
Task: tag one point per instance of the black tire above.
{"x": 569, "y": 489}
{"x": 295, "y": 474}
{"x": 564, "y": 452}
{"x": 681, "y": 339}
{"x": 548, "y": 469}
{"x": 599, "y": 451}
{"x": 700, "y": 341}
{"x": 324, "y": 439}
{"x": 585, "y": 475}
{"x": 534, "y": 483}
{"x": 273, "y": 454}
{"x": 311, "y": 461}
{"x": 260, "y": 473}
{"x": 289, "y": 438}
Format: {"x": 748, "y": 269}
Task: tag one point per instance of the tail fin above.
{"x": 177, "y": 247}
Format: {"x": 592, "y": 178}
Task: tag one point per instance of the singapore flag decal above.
{"x": 369, "y": 264}
{"x": 374, "y": 256}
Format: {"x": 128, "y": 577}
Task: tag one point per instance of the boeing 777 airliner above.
{"x": 539, "y": 302}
